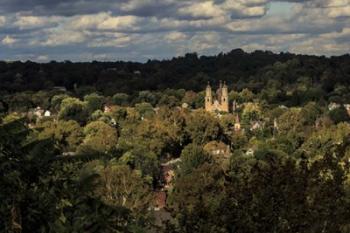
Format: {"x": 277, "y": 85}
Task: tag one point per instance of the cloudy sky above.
{"x": 85, "y": 30}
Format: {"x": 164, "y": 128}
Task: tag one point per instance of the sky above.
{"x": 138, "y": 30}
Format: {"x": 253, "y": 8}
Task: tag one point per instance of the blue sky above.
{"x": 280, "y": 8}
{"x": 138, "y": 30}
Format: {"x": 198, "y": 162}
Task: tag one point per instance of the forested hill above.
{"x": 257, "y": 71}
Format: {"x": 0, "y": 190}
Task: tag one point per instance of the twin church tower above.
{"x": 220, "y": 102}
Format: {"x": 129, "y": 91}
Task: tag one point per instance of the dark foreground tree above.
{"x": 41, "y": 192}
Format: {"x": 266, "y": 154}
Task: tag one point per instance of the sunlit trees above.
{"x": 73, "y": 109}
{"x": 93, "y": 102}
{"x": 56, "y": 101}
{"x": 40, "y": 190}
{"x": 121, "y": 99}
{"x": 99, "y": 137}
{"x": 119, "y": 185}
{"x": 144, "y": 109}
{"x": 203, "y": 127}
{"x": 339, "y": 115}
{"x": 291, "y": 175}
{"x": 198, "y": 201}
{"x": 192, "y": 156}
{"x": 251, "y": 112}
{"x": 147, "y": 97}
{"x": 246, "y": 95}
{"x": 66, "y": 134}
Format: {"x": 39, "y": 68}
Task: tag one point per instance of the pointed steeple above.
{"x": 208, "y": 90}
{"x": 237, "y": 123}
{"x": 234, "y": 106}
{"x": 208, "y": 98}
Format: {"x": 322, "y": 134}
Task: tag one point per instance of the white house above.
{"x": 333, "y": 106}
{"x": 47, "y": 113}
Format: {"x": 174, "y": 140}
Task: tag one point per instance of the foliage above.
{"x": 192, "y": 157}
{"x": 41, "y": 193}
{"x": 120, "y": 99}
{"x": 285, "y": 169}
{"x": 202, "y": 127}
{"x": 73, "y": 109}
{"x": 339, "y": 115}
{"x": 93, "y": 102}
{"x": 99, "y": 137}
{"x": 66, "y": 134}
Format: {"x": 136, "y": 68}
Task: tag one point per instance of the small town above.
{"x": 169, "y": 116}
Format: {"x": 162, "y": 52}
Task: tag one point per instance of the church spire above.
{"x": 219, "y": 101}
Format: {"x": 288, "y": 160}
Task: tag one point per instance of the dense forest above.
{"x": 257, "y": 71}
{"x": 128, "y": 147}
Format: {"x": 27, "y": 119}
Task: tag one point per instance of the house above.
{"x": 160, "y": 200}
{"x": 168, "y": 172}
{"x": 70, "y": 153}
{"x": 47, "y": 113}
{"x": 250, "y": 152}
{"x": 156, "y": 110}
{"x": 283, "y": 107}
{"x": 168, "y": 175}
{"x": 347, "y": 107}
{"x": 184, "y": 105}
{"x": 108, "y": 108}
{"x": 333, "y": 106}
{"x": 113, "y": 122}
{"x": 255, "y": 125}
{"x": 218, "y": 149}
{"x": 38, "y": 112}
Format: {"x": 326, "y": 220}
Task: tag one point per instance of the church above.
{"x": 218, "y": 102}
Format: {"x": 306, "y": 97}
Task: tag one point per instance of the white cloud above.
{"x": 8, "y": 40}
{"x": 254, "y": 11}
{"x": 203, "y": 9}
{"x": 333, "y": 8}
{"x": 147, "y": 28}
{"x": 329, "y": 3}
{"x": 103, "y": 21}
{"x": 319, "y": 46}
{"x": 202, "y": 43}
{"x": 2, "y": 21}
{"x": 342, "y": 11}
{"x": 246, "y": 7}
{"x": 58, "y": 37}
{"x": 30, "y": 22}
{"x": 175, "y": 36}
{"x": 334, "y": 35}
{"x": 117, "y": 40}
{"x": 118, "y": 23}
{"x": 338, "y": 3}
{"x": 42, "y": 58}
